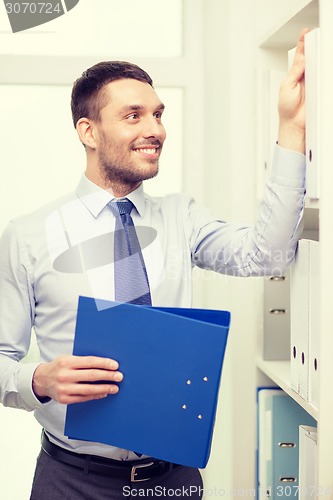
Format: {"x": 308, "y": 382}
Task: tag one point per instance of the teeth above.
{"x": 148, "y": 151}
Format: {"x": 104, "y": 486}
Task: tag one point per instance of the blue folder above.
{"x": 172, "y": 361}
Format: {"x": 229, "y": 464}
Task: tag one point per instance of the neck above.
{"x": 117, "y": 188}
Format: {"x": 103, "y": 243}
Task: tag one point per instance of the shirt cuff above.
{"x": 24, "y": 385}
{"x": 288, "y": 168}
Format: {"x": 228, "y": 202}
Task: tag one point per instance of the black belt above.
{"x": 134, "y": 471}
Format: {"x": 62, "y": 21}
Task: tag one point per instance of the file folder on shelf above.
{"x": 279, "y": 418}
{"x": 305, "y": 292}
{"x": 312, "y": 96}
{"x": 172, "y": 361}
{"x": 307, "y": 462}
{"x": 299, "y": 320}
{"x": 264, "y": 438}
{"x": 276, "y": 321}
{"x": 314, "y": 322}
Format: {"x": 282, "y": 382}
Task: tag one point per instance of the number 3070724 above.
{"x": 309, "y": 491}
{"x": 33, "y": 8}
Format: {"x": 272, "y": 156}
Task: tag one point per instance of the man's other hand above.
{"x": 75, "y": 379}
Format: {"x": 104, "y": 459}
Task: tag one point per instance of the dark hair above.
{"x": 88, "y": 96}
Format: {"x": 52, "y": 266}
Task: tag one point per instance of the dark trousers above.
{"x": 55, "y": 480}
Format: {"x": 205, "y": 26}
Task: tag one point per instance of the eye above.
{"x": 133, "y": 116}
{"x": 158, "y": 115}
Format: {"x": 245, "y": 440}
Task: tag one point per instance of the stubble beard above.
{"x": 118, "y": 171}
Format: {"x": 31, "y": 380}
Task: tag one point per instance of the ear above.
{"x": 86, "y": 131}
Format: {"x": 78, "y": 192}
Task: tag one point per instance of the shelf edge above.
{"x": 269, "y": 368}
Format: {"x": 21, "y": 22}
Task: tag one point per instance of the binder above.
{"x": 278, "y": 458}
{"x": 291, "y": 55}
{"x": 312, "y": 96}
{"x": 305, "y": 299}
{"x": 314, "y": 323}
{"x": 172, "y": 361}
{"x": 308, "y": 485}
{"x": 299, "y": 316}
{"x": 264, "y": 439}
{"x": 276, "y": 330}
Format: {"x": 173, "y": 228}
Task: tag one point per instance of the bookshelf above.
{"x": 279, "y": 373}
{"x": 277, "y": 30}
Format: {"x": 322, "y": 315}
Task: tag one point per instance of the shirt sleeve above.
{"x": 16, "y": 320}
{"x": 268, "y": 247}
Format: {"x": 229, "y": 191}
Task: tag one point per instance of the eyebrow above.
{"x": 138, "y": 107}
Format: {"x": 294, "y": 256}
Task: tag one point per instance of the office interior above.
{"x": 203, "y": 56}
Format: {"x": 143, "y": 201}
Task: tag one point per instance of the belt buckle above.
{"x": 134, "y": 473}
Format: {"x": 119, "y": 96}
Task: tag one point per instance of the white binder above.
{"x": 299, "y": 319}
{"x": 291, "y": 55}
{"x": 304, "y": 325}
{"x": 314, "y": 301}
{"x": 307, "y": 462}
{"x": 312, "y": 98}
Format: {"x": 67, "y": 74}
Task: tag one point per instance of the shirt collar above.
{"x": 95, "y": 198}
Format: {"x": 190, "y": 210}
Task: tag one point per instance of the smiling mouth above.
{"x": 148, "y": 151}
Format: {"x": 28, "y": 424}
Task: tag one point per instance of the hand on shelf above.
{"x": 292, "y": 102}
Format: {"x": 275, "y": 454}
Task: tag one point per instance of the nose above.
{"x": 153, "y": 128}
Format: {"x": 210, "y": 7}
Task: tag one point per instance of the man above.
{"x": 118, "y": 117}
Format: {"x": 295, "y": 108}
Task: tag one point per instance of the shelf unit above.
{"x": 279, "y": 373}
{"x": 282, "y": 24}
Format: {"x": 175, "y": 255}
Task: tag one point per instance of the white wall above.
{"x": 230, "y": 190}
{"x": 106, "y": 28}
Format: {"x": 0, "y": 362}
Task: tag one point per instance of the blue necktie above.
{"x": 130, "y": 274}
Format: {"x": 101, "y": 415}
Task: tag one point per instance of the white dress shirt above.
{"x": 42, "y": 274}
